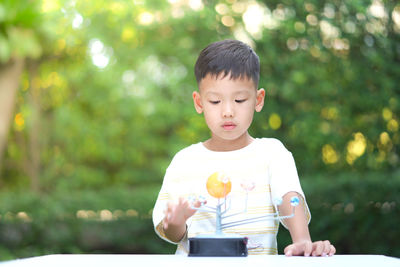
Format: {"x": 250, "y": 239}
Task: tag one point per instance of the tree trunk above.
{"x": 9, "y": 81}
{"x": 33, "y": 164}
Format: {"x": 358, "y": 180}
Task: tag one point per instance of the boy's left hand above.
{"x": 308, "y": 248}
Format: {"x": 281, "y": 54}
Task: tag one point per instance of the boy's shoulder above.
{"x": 270, "y": 144}
{"x": 189, "y": 151}
{"x": 269, "y": 141}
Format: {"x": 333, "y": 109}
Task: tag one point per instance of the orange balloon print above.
{"x": 218, "y": 185}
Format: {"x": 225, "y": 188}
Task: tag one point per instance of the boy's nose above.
{"x": 227, "y": 111}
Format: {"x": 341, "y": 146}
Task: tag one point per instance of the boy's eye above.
{"x": 240, "y": 100}
{"x": 214, "y": 102}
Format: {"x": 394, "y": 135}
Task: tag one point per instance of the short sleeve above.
{"x": 164, "y": 196}
{"x": 284, "y": 178}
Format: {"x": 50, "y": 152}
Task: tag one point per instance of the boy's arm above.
{"x": 298, "y": 228}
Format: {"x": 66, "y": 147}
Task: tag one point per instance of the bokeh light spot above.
{"x": 19, "y": 121}
{"x": 329, "y": 154}
{"x": 392, "y": 125}
{"x": 356, "y": 147}
{"x": 275, "y": 121}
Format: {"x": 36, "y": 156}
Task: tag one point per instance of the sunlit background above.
{"x": 95, "y": 99}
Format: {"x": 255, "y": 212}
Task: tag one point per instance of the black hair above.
{"x": 228, "y": 57}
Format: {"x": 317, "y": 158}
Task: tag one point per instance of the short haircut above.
{"x": 228, "y": 57}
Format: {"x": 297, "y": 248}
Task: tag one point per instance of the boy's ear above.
{"x": 197, "y": 102}
{"x": 260, "y": 99}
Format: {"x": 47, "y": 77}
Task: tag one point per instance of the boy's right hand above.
{"x": 176, "y": 214}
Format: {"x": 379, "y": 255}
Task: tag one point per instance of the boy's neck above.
{"x": 217, "y": 144}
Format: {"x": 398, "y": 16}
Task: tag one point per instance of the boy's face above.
{"x": 228, "y": 106}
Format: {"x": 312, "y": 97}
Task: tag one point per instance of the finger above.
{"x": 170, "y": 205}
{"x": 299, "y": 249}
{"x": 318, "y": 247}
{"x": 332, "y": 250}
{"x": 168, "y": 214}
{"x": 327, "y": 248}
{"x": 181, "y": 201}
{"x": 308, "y": 247}
{"x": 166, "y": 219}
{"x": 197, "y": 204}
{"x": 289, "y": 250}
{"x": 190, "y": 213}
{"x": 186, "y": 206}
{"x": 165, "y": 224}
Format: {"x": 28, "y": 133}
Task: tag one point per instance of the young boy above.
{"x": 227, "y": 74}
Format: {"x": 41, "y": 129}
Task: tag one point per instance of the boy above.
{"x": 227, "y": 74}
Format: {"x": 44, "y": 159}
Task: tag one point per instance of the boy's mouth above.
{"x": 228, "y": 126}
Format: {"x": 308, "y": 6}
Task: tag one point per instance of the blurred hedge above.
{"x": 111, "y": 220}
{"x": 359, "y": 215}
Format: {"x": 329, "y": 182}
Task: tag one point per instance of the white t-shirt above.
{"x": 265, "y": 161}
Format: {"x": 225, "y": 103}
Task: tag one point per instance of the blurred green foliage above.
{"x": 18, "y": 20}
{"x": 111, "y": 82}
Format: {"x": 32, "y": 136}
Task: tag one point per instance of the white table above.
{"x": 75, "y": 260}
